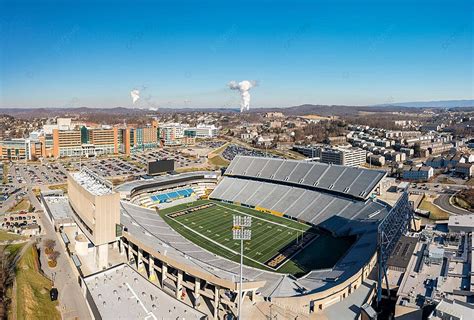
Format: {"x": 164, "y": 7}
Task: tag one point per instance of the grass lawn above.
{"x": 32, "y": 295}
{"x": 5, "y": 173}
{"x": 62, "y": 187}
{"x": 219, "y": 161}
{"x": 211, "y": 228}
{"x": 447, "y": 181}
{"x": 435, "y": 212}
{"x": 220, "y": 149}
{"x": 6, "y": 236}
{"x": 23, "y": 205}
{"x": 13, "y": 249}
{"x": 461, "y": 203}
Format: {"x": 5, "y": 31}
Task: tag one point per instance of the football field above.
{"x": 209, "y": 224}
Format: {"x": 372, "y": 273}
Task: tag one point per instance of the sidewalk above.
{"x": 72, "y": 303}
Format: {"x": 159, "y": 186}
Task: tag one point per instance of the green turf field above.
{"x": 211, "y": 228}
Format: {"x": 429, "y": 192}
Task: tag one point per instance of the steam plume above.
{"x": 244, "y": 88}
{"x": 135, "y": 94}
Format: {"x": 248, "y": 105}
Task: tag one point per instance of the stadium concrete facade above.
{"x": 338, "y": 200}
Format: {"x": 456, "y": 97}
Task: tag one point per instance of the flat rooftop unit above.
{"x": 92, "y": 182}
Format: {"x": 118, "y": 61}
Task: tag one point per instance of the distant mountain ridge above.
{"x": 431, "y": 104}
{"x": 305, "y": 109}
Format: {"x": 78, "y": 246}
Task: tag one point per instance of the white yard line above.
{"x": 247, "y": 214}
{"x": 217, "y": 243}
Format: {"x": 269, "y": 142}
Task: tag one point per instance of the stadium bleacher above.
{"x": 325, "y": 195}
{"x": 312, "y": 206}
{"x": 349, "y": 181}
{"x": 172, "y": 195}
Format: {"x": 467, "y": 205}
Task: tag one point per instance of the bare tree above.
{"x": 54, "y": 255}
{"x": 49, "y": 244}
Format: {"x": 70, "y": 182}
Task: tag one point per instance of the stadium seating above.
{"x": 355, "y": 182}
{"x": 312, "y": 206}
{"x": 172, "y": 195}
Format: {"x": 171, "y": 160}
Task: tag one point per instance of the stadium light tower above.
{"x": 241, "y": 231}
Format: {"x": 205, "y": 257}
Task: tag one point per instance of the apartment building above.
{"x": 465, "y": 169}
{"x": 423, "y": 173}
{"x": 344, "y": 156}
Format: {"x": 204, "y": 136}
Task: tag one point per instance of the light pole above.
{"x": 240, "y": 232}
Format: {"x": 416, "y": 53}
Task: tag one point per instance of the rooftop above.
{"x": 457, "y": 309}
{"x": 122, "y": 293}
{"x": 59, "y": 207}
{"x": 92, "y": 182}
{"x": 130, "y": 186}
{"x": 461, "y": 220}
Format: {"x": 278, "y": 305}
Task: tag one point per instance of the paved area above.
{"x": 444, "y": 203}
{"x": 122, "y": 293}
{"x": 71, "y": 301}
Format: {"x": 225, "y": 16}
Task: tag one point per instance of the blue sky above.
{"x": 183, "y": 53}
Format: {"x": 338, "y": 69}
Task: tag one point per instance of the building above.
{"x": 15, "y": 149}
{"x": 308, "y": 151}
{"x": 422, "y": 173}
{"x": 408, "y": 151}
{"x": 439, "y": 273}
{"x": 132, "y": 139}
{"x": 96, "y": 210}
{"x": 465, "y": 169}
{"x": 344, "y": 156}
{"x": 435, "y": 162}
{"x": 202, "y": 131}
{"x": 336, "y": 140}
{"x": 67, "y": 143}
{"x": 376, "y": 160}
{"x": 452, "y": 310}
{"x": 274, "y": 115}
{"x": 450, "y": 161}
{"x": 461, "y": 223}
{"x": 172, "y": 133}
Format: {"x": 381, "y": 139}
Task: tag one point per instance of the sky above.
{"x": 184, "y": 53}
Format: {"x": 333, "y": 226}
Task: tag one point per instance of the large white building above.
{"x": 172, "y": 133}
{"x": 202, "y": 131}
{"x": 344, "y": 156}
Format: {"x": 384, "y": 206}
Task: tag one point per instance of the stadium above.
{"x": 314, "y": 234}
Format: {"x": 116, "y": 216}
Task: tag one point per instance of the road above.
{"x": 443, "y": 202}
{"x": 71, "y": 300}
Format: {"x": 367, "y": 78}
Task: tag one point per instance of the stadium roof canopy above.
{"x": 129, "y": 187}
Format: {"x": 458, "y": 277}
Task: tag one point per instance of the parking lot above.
{"x": 51, "y": 172}
{"x": 110, "y": 167}
{"x": 19, "y": 222}
{"x": 182, "y": 160}
{"x": 36, "y": 174}
{"x": 233, "y": 150}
